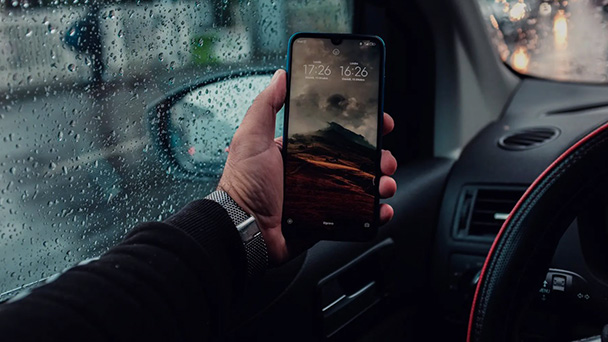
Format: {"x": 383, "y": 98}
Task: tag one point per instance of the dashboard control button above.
{"x": 559, "y": 283}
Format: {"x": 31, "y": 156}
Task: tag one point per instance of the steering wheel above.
{"x": 522, "y": 250}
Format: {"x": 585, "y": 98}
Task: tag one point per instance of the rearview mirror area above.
{"x": 194, "y": 125}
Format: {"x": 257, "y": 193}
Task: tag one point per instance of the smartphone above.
{"x": 332, "y": 136}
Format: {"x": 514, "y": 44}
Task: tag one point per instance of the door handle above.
{"x": 345, "y": 300}
{"x": 346, "y": 308}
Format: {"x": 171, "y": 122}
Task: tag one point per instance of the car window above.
{"x": 202, "y": 123}
{"x": 78, "y": 166}
{"x": 563, "y": 40}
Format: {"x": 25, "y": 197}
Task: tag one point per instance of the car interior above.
{"x": 114, "y": 113}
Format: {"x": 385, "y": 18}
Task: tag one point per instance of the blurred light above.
{"x": 544, "y": 9}
{"x": 503, "y": 51}
{"x": 560, "y": 30}
{"x": 493, "y": 21}
{"x": 517, "y": 12}
{"x": 520, "y": 59}
{"x": 191, "y": 150}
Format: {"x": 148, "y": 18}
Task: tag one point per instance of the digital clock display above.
{"x": 345, "y": 70}
{"x": 335, "y": 64}
{"x": 319, "y": 69}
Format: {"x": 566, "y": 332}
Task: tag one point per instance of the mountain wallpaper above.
{"x": 331, "y": 174}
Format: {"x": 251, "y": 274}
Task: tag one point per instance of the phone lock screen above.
{"x": 331, "y": 135}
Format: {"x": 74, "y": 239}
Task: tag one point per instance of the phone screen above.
{"x": 332, "y": 140}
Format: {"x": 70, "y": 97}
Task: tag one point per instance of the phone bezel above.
{"x": 338, "y": 233}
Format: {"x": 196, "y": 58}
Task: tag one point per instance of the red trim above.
{"x": 517, "y": 206}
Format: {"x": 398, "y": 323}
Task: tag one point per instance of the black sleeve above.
{"x": 168, "y": 281}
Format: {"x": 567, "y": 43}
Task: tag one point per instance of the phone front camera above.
{"x": 336, "y": 41}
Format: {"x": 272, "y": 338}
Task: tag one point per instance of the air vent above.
{"x": 483, "y": 209}
{"x": 528, "y": 138}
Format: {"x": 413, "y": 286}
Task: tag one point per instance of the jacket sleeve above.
{"x": 167, "y": 281}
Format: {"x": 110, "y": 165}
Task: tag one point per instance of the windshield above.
{"x": 564, "y": 40}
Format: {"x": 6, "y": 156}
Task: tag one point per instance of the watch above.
{"x": 253, "y": 241}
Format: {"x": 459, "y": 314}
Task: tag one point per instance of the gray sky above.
{"x": 351, "y": 104}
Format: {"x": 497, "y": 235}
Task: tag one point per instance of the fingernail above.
{"x": 275, "y": 76}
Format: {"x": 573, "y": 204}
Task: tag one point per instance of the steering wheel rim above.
{"x": 523, "y": 248}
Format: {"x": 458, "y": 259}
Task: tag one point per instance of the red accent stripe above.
{"x": 517, "y": 206}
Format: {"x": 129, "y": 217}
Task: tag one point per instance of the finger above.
{"x": 388, "y": 124}
{"x": 386, "y": 213}
{"x": 260, "y": 118}
{"x": 279, "y": 142}
{"x": 388, "y": 163}
{"x": 387, "y": 187}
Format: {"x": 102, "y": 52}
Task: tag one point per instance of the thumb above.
{"x": 260, "y": 118}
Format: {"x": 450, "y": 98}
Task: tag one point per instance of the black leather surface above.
{"x": 522, "y": 253}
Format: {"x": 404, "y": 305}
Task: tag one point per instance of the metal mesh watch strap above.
{"x": 253, "y": 241}
{"x": 236, "y": 213}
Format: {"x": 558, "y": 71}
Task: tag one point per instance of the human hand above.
{"x": 253, "y": 175}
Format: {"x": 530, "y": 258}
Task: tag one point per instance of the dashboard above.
{"x": 540, "y": 122}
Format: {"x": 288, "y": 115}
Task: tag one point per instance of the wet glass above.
{"x": 201, "y": 124}
{"x": 78, "y": 165}
{"x": 565, "y": 40}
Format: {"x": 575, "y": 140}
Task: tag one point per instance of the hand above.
{"x": 253, "y": 175}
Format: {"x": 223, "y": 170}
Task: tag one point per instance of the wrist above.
{"x": 251, "y": 236}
